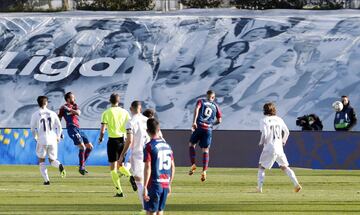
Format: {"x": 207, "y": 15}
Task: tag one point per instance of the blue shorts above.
{"x": 158, "y": 196}
{"x": 201, "y": 136}
{"x": 77, "y": 135}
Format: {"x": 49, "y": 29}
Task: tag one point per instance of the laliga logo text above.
{"x": 50, "y": 74}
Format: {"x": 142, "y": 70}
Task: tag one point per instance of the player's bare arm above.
{"x": 196, "y": 114}
{"x": 172, "y": 175}
{"x": 58, "y": 129}
{"x": 60, "y": 116}
{"x": 102, "y": 132}
{"x": 128, "y": 143}
{"x": 262, "y": 140}
{"x": 147, "y": 173}
{"x": 218, "y": 121}
{"x": 32, "y": 128}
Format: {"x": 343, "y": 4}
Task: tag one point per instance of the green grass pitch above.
{"x": 227, "y": 191}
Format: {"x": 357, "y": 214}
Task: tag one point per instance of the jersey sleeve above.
{"x": 198, "y": 103}
{"x": 218, "y": 112}
{"x": 147, "y": 153}
{"x": 172, "y": 154}
{"x": 263, "y": 128}
{"x": 129, "y": 127}
{"x": 285, "y": 130}
{"x": 104, "y": 118}
{"x": 33, "y": 124}
{"x": 57, "y": 125}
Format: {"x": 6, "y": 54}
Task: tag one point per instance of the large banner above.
{"x": 303, "y": 63}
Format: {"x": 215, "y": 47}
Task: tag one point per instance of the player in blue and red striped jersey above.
{"x": 159, "y": 170}
{"x": 71, "y": 113}
{"x": 207, "y": 113}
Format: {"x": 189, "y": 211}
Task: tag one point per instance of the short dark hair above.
{"x": 67, "y": 95}
{"x": 344, "y": 96}
{"x": 210, "y": 92}
{"x": 149, "y": 113}
{"x": 41, "y": 100}
{"x": 135, "y": 104}
{"x": 269, "y": 109}
{"x": 152, "y": 126}
{"x": 114, "y": 98}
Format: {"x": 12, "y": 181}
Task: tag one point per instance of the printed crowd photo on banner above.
{"x": 302, "y": 63}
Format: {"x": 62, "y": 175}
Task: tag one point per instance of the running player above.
{"x": 274, "y": 134}
{"x": 115, "y": 119}
{"x": 137, "y": 137}
{"x": 207, "y": 114}
{"x": 71, "y": 113}
{"x": 159, "y": 170}
{"x": 46, "y": 129}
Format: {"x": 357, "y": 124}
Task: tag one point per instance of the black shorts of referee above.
{"x": 115, "y": 147}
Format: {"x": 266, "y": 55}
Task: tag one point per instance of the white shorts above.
{"x": 49, "y": 150}
{"x": 137, "y": 165}
{"x": 267, "y": 159}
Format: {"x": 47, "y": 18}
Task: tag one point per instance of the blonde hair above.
{"x": 269, "y": 109}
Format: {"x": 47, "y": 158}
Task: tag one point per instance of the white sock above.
{"x": 140, "y": 191}
{"x": 43, "y": 171}
{"x": 292, "y": 176}
{"x": 261, "y": 177}
{"x": 55, "y": 163}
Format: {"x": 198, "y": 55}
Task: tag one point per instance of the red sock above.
{"x": 82, "y": 159}
{"x": 192, "y": 154}
{"x": 205, "y": 161}
{"x": 87, "y": 153}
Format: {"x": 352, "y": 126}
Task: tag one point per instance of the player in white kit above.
{"x": 274, "y": 134}
{"x": 136, "y": 139}
{"x": 46, "y": 129}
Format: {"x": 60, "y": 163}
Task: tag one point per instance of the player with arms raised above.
{"x": 207, "y": 114}
{"x": 71, "y": 113}
{"x": 46, "y": 129}
{"x": 159, "y": 170}
{"x": 274, "y": 134}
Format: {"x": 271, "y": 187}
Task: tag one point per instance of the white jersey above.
{"x": 45, "y": 124}
{"x": 137, "y": 125}
{"x": 274, "y": 134}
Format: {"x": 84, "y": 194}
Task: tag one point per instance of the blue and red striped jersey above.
{"x": 72, "y": 120}
{"x": 208, "y": 113}
{"x": 160, "y": 155}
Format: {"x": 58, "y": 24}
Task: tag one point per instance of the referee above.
{"x": 115, "y": 119}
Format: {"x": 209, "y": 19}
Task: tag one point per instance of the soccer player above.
{"x": 207, "y": 114}
{"x": 274, "y": 134}
{"x": 71, "y": 113}
{"x": 150, "y": 113}
{"x": 46, "y": 129}
{"x": 137, "y": 137}
{"x": 159, "y": 170}
{"x": 115, "y": 119}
